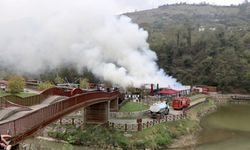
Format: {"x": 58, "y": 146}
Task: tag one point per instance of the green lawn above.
{"x": 133, "y": 106}
{"x": 25, "y": 94}
{"x": 22, "y": 94}
{"x": 2, "y": 93}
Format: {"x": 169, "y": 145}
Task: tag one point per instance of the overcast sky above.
{"x": 131, "y": 5}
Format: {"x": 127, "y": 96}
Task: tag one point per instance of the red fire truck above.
{"x": 180, "y": 102}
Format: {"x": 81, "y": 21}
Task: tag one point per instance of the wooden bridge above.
{"x": 41, "y": 110}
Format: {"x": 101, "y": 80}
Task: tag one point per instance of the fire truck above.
{"x": 180, "y": 102}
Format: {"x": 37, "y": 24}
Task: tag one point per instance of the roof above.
{"x": 168, "y": 91}
{"x": 3, "y": 82}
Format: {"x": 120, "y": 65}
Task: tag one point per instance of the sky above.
{"x": 132, "y": 5}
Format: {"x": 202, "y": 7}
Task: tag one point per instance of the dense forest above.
{"x": 201, "y": 44}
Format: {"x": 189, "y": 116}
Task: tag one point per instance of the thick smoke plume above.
{"x": 39, "y": 34}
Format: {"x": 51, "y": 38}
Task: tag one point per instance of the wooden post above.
{"x": 139, "y": 127}
{"x": 139, "y": 124}
{"x": 126, "y": 127}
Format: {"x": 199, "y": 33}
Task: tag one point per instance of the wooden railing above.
{"x": 27, "y": 101}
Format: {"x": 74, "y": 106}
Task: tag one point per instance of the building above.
{"x": 3, "y": 85}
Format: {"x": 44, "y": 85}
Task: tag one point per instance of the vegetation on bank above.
{"x": 157, "y": 137}
{"x": 197, "y": 97}
{"x": 133, "y": 106}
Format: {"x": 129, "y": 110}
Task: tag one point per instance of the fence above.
{"x": 71, "y": 121}
{"x": 137, "y": 114}
{"x": 143, "y": 125}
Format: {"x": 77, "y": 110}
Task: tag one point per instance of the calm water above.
{"x": 226, "y": 129}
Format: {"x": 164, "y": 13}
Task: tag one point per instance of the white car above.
{"x": 159, "y": 108}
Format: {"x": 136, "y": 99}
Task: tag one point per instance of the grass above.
{"x": 21, "y": 94}
{"x": 197, "y": 109}
{"x": 160, "y": 136}
{"x": 133, "y": 107}
{"x": 197, "y": 97}
{"x": 2, "y": 93}
{"x": 25, "y": 94}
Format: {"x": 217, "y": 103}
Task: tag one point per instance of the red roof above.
{"x": 168, "y": 91}
{"x": 3, "y": 82}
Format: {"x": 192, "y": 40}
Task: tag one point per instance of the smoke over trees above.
{"x": 47, "y": 34}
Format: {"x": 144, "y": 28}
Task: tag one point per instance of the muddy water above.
{"x": 226, "y": 129}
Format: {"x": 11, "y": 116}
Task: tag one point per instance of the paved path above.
{"x": 144, "y": 120}
{"x": 32, "y": 91}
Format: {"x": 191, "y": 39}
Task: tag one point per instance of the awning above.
{"x": 168, "y": 91}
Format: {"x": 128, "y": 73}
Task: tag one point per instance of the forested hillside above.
{"x": 201, "y": 44}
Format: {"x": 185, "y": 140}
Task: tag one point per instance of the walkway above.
{"x": 144, "y": 120}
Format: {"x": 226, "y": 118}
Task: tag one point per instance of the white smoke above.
{"x": 39, "y": 34}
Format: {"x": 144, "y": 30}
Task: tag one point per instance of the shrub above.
{"x": 45, "y": 85}
{"x": 16, "y": 84}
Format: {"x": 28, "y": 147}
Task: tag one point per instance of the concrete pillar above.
{"x": 114, "y": 105}
{"x": 83, "y": 115}
{"x": 97, "y": 113}
{"x": 108, "y": 111}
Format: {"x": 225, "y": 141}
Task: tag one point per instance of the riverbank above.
{"x": 164, "y": 135}
{"x": 195, "y": 114}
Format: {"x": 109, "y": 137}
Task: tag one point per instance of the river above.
{"x": 228, "y": 128}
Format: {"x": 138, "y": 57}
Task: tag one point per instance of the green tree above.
{"x": 84, "y": 83}
{"x": 59, "y": 80}
{"x": 16, "y": 84}
{"x": 45, "y": 85}
{"x": 246, "y": 40}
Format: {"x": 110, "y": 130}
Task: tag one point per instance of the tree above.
{"x": 246, "y": 40}
{"x": 84, "y": 83}
{"x": 16, "y": 84}
{"x": 45, "y": 85}
{"x": 59, "y": 80}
